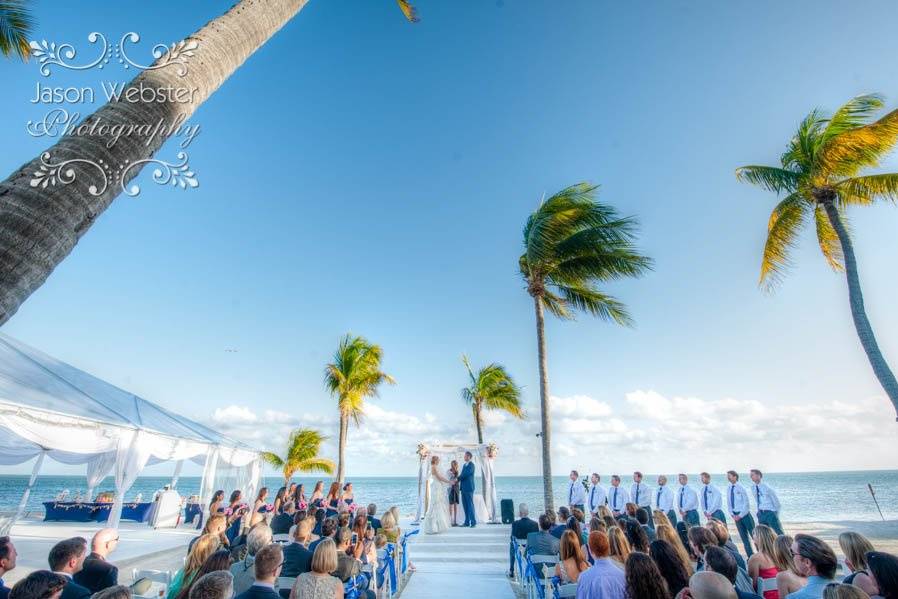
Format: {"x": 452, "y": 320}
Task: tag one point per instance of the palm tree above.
{"x": 40, "y": 224}
{"x": 820, "y": 177}
{"x": 354, "y": 375}
{"x": 571, "y": 243}
{"x": 301, "y": 455}
{"x": 492, "y": 388}
{"x": 16, "y": 24}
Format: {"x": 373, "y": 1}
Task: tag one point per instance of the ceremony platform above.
{"x": 462, "y": 562}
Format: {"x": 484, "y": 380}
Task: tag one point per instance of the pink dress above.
{"x": 767, "y": 583}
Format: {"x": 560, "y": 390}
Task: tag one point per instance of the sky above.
{"x": 362, "y": 174}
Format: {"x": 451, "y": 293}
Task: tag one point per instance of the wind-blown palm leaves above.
{"x": 491, "y": 388}
{"x": 571, "y": 243}
{"x": 301, "y": 455}
{"x": 408, "y": 10}
{"x": 354, "y": 375}
{"x": 820, "y": 176}
{"x": 16, "y": 24}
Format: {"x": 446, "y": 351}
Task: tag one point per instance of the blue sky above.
{"x": 362, "y": 174}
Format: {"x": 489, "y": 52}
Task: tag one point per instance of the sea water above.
{"x": 806, "y": 497}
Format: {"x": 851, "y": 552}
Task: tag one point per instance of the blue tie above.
{"x": 758, "y": 494}
{"x": 682, "y": 492}
{"x": 706, "y": 498}
{"x": 570, "y": 497}
{"x": 614, "y": 501}
{"x": 658, "y": 501}
{"x": 733, "y": 499}
{"x": 637, "y": 494}
{"x": 592, "y": 497}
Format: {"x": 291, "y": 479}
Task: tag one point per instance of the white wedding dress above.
{"x": 436, "y": 520}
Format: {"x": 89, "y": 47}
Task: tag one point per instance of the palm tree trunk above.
{"x": 39, "y": 225}
{"x": 858, "y": 313}
{"x": 477, "y": 423}
{"x": 546, "y": 435}
{"x": 341, "y": 453}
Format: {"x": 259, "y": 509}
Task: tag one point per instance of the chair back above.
{"x": 281, "y": 538}
{"x": 162, "y": 578}
{"x": 565, "y": 590}
{"x": 286, "y": 582}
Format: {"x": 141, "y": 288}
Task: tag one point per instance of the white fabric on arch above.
{"x": 98, "y": 468}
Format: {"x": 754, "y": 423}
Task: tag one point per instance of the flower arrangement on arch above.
{"x": 422, "y": 451}
{"x": 492, "y": 450}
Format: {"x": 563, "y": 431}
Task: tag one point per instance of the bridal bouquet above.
{"x": 302, "y": 505}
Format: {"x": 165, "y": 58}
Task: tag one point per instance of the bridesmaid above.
{"x": 279, "y": 499}
{"x": 299, "y": 495}
{"x": 332, "y": 498}
{"x": 215, "y": 504}
{"x": 453, "y": 493}
{"x": 317, "y": 494}
{"x": 259, "y": 507}
{"x": 347, "y": 495}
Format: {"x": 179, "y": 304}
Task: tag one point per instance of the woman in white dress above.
{"x": 436, "y": 520}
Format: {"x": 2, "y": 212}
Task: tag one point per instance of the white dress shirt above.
{"x": 766, "y": 497}
{"x": 644, "y": 498}
{"x": 687, "y": 498}
{"x": 664, "y": 499}
{"x": 576, "y": 494}
{"x": 618, "y": 498}
{"x": 712, "y": 500}
{"x": 737, "y": 500}
{"x": 595, "y": 498}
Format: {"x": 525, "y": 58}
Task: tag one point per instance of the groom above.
{"x": 466, "y": 480}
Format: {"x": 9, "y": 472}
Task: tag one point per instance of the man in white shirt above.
{"x": 618, "y": 498}
{"x": 711, "y": 500}
{"x": 596, "y": 497}
{"x": 768, "y": 503}
{"x": 576, "y": 493}
{"x": 737, "y": 501}
{"x": 687, "y": 502}
{"x": 664, "y": 500}
{"x": 642, "y": 496}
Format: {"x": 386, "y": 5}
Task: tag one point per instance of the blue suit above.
{"x": 466, "y": 486}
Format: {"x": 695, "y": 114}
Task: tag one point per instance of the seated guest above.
{"x": 389, "y": 527}
{"x": 7, "y": 562}
{"x": 96, "y": 574}
{"x": 604, "y": 579}
{"x": 667, "y": 533}
{"x": 280, "y": 524}
{"x": 328, "y": 529}
{"x": 762, "y": 568}
{"x": 636, "y": 535}
{"x": 718, "y": 559}
{"x": 66, "y": 558}
{"x": 320, "y": 515}
{"x": 348, "y": 566}
{"x": 244, "y": 574}
{"x": 298, "y": 559}
{"x": 520, "y": 529}
{"x": 884, "y": 573}
{"x": 789, "y": 579}
{"x": 39, "y": 585}
{"x": 576, "y": 527}
{"x": 572, "y": 562}
{"x": 266, "y": 569}
{"x": 372, "y": 512}
{"x": 816, "y": 560}
{"x": 542, "y": 542}
{"x": 215, "y": 525}
{"x": 561, "y": 525}
{"x": 644, "y": 579}
{"x": 619, "y": 546}
{"x": 642, "y": 516}
{"x": 214, "y": 585}
{"x": 699, "y": 541}
{"x": 709, "y": 585}
{"x": 855, "y": 548}
{"x": 719, "y": 529}
{"x": 206, "y": 546}
{"x": 118, "y": 591}
{"x": 319, "y": 583}
{"x": 219, "y": 561}
{"x": 835, "y": 590}
{"x": 670, "y": 565}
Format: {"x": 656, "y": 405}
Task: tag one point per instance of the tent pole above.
{"x": 23, "y": 503}
{"x": 177, "y": 474}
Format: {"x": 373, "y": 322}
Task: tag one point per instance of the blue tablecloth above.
{"x": 92, "y": 512}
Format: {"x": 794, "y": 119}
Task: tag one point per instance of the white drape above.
{"x": 132, "y": 456}
{"x": 23, "y": 503}
{"x": 174, "y": 477}
{"x": 98, "y": 468}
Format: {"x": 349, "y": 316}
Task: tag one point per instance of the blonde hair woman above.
{"x": 202, "y": 549}
{"x": 855, "y": 546}
{"x": 762, "y": 568}
{"x": 620, "y": 546}
{"x": 661, "y": 518}
{"x": 604, "y": 512}
{"x": 834, "y": 590}
{"x": 388, "y": 527}
{"x": 788, "y": 579}
{"x": 318, "y": 583}
{"x": 665, "y": 532}
{"x": 572, "y": 562}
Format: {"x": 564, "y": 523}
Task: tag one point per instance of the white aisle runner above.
{"x": 462, "y": 562}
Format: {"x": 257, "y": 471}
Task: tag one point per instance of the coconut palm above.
{"x": 16, "y": 24}
{"x": 820, "y": 176}
{"x": 491, "y": 388}
{"x": 39, "y": 223}
{"x": 354, "y": 375}
{"x": 303, "y": 446}
{"x": 571, "y": 243}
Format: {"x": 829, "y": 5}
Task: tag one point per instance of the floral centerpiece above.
{"x": 105, "y": 497}
{"x": 492, "y": 450}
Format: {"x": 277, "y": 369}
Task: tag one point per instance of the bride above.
{"x": 436, "y": 520}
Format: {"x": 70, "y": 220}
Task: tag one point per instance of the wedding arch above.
{"x": 485, "y": 502}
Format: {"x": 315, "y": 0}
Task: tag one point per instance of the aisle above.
{"x": 462, "y": 562}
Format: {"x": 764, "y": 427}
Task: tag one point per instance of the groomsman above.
{"x": 687, "y": 502}
{"x": 768, "y": 503}
{"x": 712, "y": 501}
{"x": 576, "y": 494}
{"x": 737, "y": 500}
{"x": 642, "y": 496}
{"x": 597, "y": 496}
{"x": 618, "y": 498}
{"x": 664, "y": 500}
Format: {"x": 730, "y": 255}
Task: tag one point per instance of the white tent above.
{"x": 49, "y": 408}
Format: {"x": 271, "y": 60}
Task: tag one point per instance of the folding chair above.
{"x": 162, "y": 577}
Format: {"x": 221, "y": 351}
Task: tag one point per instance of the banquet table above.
{"x": 71, "y": 511}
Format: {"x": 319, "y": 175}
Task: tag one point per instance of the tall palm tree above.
{"x": 571, "y": 243}
{"x": 40, "y": 224}
{"x": 491, "y": 388}
{"x": 820, "y": 175}
{"x": 303, "y": 446}
{"x": 354, "y": 375}
{"x": 16, "y": 24}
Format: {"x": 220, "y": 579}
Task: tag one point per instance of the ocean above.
{"x": 806, "y": 496}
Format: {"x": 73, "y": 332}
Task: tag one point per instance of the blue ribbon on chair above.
{"x": 556, "y": 583}
{"x": 389, "y": 567}
{"x": 537, "y": 582}
{"x": 516, "y": 549}
{"x": 404, "y": 563}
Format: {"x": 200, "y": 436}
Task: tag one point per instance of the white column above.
{"x": 23, "y": 503}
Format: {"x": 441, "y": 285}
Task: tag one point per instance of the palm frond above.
{"x": 803, "y": 146}
{"x": 408, "y": 10}
{"x": 868, "y": 189}
{"x": 271, "y": 459}
{"x": 828, "y": 239}
{"x": 597, "y": 303}
{"x": 845, "y": 154}
{"x": 316, "y": 465}
{"x": 782, "y": 234}
{"x": 770, "y": 178}
{"x": 355, "y": 374}
{"x": 854, "y": 113}
{"x": 556, "y": 305}
{"x": 16, "y": 25}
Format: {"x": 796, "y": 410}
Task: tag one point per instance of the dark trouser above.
{"x": 467, "y": 501}
{"x": 719, "y": 515}
{"x": 771, "y": 519}
{"x": 672, "y": 516}
{"x": 691, "y": 518}
{"x": 746, "y": 527}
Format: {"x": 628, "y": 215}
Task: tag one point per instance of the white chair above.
{"x": 567, "y": 590}
{"x": 161, "y": 577}
{"x": 286, "y": 582}
{"x": 541, "y": 562}
{"x": 282, "y": 538}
